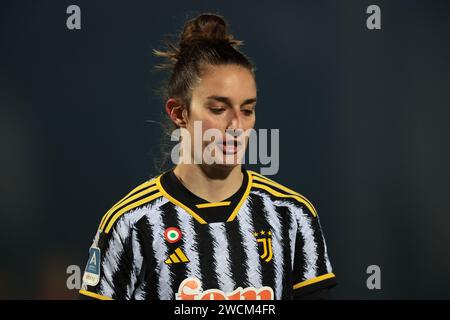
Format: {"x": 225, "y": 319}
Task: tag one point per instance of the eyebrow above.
{"x": 228, "y": 101}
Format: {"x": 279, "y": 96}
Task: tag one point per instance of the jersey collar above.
{"x": 201, "y": 210}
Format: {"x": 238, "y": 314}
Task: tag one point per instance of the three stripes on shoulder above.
{"x": 140, "y": 195}
{"x": 278, "y": 190}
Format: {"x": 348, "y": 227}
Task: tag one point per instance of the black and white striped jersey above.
{"x": 163, "y": 242}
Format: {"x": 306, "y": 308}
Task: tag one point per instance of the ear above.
{"x": 177, "y": 112}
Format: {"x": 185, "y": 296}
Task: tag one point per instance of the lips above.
{"x": 230, "y": 146}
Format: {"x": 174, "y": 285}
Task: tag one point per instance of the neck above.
{"x": 212, "y": 183}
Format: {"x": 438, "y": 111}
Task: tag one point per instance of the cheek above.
{"x": 249, "y": 123}
{"x": 201, "y": 115}
{"x": 206, "y": 124}
{"x": 210, "y": 124}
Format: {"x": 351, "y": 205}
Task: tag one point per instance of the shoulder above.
{"x": 127, "y": 208}
{"x": 260, "y": 184}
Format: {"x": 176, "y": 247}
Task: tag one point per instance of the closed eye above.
{"x": 217, "y": 110}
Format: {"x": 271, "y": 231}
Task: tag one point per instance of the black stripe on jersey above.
{"x": 145, "y": 234}
{"x": 286, "y": 222}
{"x": 103, "y": 243}
{"x": 318, "y": 238}
{"x": 178, "y": 270}
{"x": 299, "y": 270}
{"x": 237, "y": 253}
{"x": 206, "y": 256}
{"x": 138, "y": 240}
{"x": 126, "y": 203}
{"x": 122, "y": 276}
{"x": 259, "y": 217}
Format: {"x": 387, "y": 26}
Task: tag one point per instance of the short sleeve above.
{"x": 113, "y": 265}
{"x": 312, "y": 269}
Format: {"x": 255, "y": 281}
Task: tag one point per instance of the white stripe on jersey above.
{"x": 328, "y": 263}
{"x": 309, "y": 246}
{"x": 110, "y": 264}
{"x": 190, "y": 243}
{"x": 311, "y": 254}
{"x": 277, "y": 246}
{"x": 123, "y": 229}
{"x": 138, "y": 260}
{"x": 250, "y": 245}
{"x": 293, "y": 225}
{"x": 139, "y": 293}
{"x": 221, "y": 256}
{"x": 165, "y": 279}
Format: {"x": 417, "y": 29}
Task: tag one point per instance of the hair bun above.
{"x": 206, "y": 27}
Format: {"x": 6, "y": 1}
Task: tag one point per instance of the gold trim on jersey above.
{"x": 213, "y": 204}
{"x": 314, "y": 280}
{"x": 244, "y": 197}
{"x": 178, "y": 203}
{"x": 194, "y": 214}
{"x": 177, "y": 257}
{"x": 94, "y": 295}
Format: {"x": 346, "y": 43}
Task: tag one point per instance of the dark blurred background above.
{"x": 363, "y": 118}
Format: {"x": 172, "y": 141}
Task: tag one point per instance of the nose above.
{"x": 235, "y": 124}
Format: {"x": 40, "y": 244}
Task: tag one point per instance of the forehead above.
{"x": 231, "y": 81}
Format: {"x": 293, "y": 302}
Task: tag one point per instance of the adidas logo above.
{"x": 177, "y": 257}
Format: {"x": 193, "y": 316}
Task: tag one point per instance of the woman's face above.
{"x": 224, "y": 99}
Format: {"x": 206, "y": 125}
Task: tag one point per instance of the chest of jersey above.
{"x": 249, "y": 257}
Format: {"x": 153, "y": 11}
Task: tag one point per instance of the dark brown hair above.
{"x": 204, "y": 41}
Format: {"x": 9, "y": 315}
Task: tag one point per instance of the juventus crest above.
{"x": 265, "y": 239}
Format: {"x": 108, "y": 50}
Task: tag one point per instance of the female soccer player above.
{"x": 207, "y": 230}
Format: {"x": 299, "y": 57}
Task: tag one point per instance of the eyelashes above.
{"x": 217, "y": 111}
